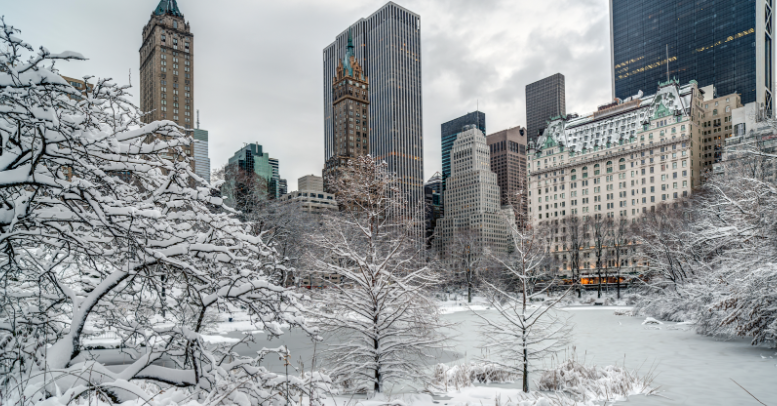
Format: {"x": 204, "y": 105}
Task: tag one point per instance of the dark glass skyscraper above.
{"x": 545, "y": 98}
{"x": 388, "y": 42}
{"x": 432, "y": 205}
{"x": 450, "y": 130}
{"x": 723, "y": 43}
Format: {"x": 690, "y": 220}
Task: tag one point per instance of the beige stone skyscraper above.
{"x": 167, "y": 67}
{"x": 472, "y": 199}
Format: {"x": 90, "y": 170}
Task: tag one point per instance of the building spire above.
{"x": 168, "y": 7}
{"x": 349, "y": 54}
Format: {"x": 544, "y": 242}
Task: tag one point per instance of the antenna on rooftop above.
{"x": 198, "y": 119}
{"x": 667, "y": 62}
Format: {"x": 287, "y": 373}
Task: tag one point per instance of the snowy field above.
{"x": 689, "y": 369}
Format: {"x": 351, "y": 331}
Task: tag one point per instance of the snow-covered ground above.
{"x": 688, "y": 368}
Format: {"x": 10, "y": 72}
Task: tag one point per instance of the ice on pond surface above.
{"x": 689, "y": 369}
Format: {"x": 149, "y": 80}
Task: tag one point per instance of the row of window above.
{"x": 609, "y": 206}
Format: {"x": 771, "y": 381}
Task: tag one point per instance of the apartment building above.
{"x": 350, "y": 106}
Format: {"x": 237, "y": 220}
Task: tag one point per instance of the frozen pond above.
{"x": 688, "y": 368}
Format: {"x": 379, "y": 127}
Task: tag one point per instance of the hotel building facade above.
{"x": 625, "y": 159}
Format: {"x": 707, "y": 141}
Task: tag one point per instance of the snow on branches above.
{"x": 712, "y": 257}
{"x": 104, "y": 226}
{"x": 381, "y": 313}
{"x": 528, "y": 327}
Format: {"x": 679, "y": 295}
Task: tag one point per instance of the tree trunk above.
{"x": 377, "y": 367}
{"x": 599, "y": 274}
{"x": 525, "y": 364}
{"x": 618, "y": 274}
{"x": 523, "y": 334}
{"x": 469, "y": 286}
{"x": 578, "y": 281}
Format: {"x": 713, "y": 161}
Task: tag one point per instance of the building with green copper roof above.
{"x": 168, "y": 7}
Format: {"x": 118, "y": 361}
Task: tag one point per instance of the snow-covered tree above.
{"x": 382, "y": 314}
{"x": 464, "y": 257}
{"x": 105, "y": 227}
{"x": 663, "y": 236}
{"x": 528, "y": 327}
{"x": 621, "y": 238}
{"x": 599, "y": 229}
{"x": 282, "y": 223}
{"x": 711, "y": 259}
{"x": 574, "y": 243}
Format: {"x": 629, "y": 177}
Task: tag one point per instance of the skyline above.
{"x": 495, "y": 50}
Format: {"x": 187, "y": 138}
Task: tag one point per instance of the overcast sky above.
{"x": 258, "y": 75}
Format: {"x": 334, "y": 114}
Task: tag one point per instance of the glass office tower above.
{"x": 545, "y": 98}
{"x": 450, "y": 130}
{"x": 723, "y": 43}
{"x": 389, "y": 44}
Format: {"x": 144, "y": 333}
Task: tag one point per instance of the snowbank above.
{"x": 610, "y": 383}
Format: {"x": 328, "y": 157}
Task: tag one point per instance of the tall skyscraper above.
{"x": 389, "y": 44}
{"x": 508, "y": 162}
{"x": 201, "y": 159}
{"x": 728, "y": 44}
{"x": 167, "y": 66}
{"x": 450, "y": 130}
{"x": 350, "y": 106}
{"x": 473, "y": 210}
{"x": 544, "y": 99}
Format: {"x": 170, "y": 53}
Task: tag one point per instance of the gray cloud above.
{"x": 258, "y": 64}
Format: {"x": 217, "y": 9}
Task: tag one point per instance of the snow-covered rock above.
{"x": 650, "y": 320}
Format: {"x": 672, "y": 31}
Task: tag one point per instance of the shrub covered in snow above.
{"x": 467, "y": 374}
{"x": 594, "y": 383}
